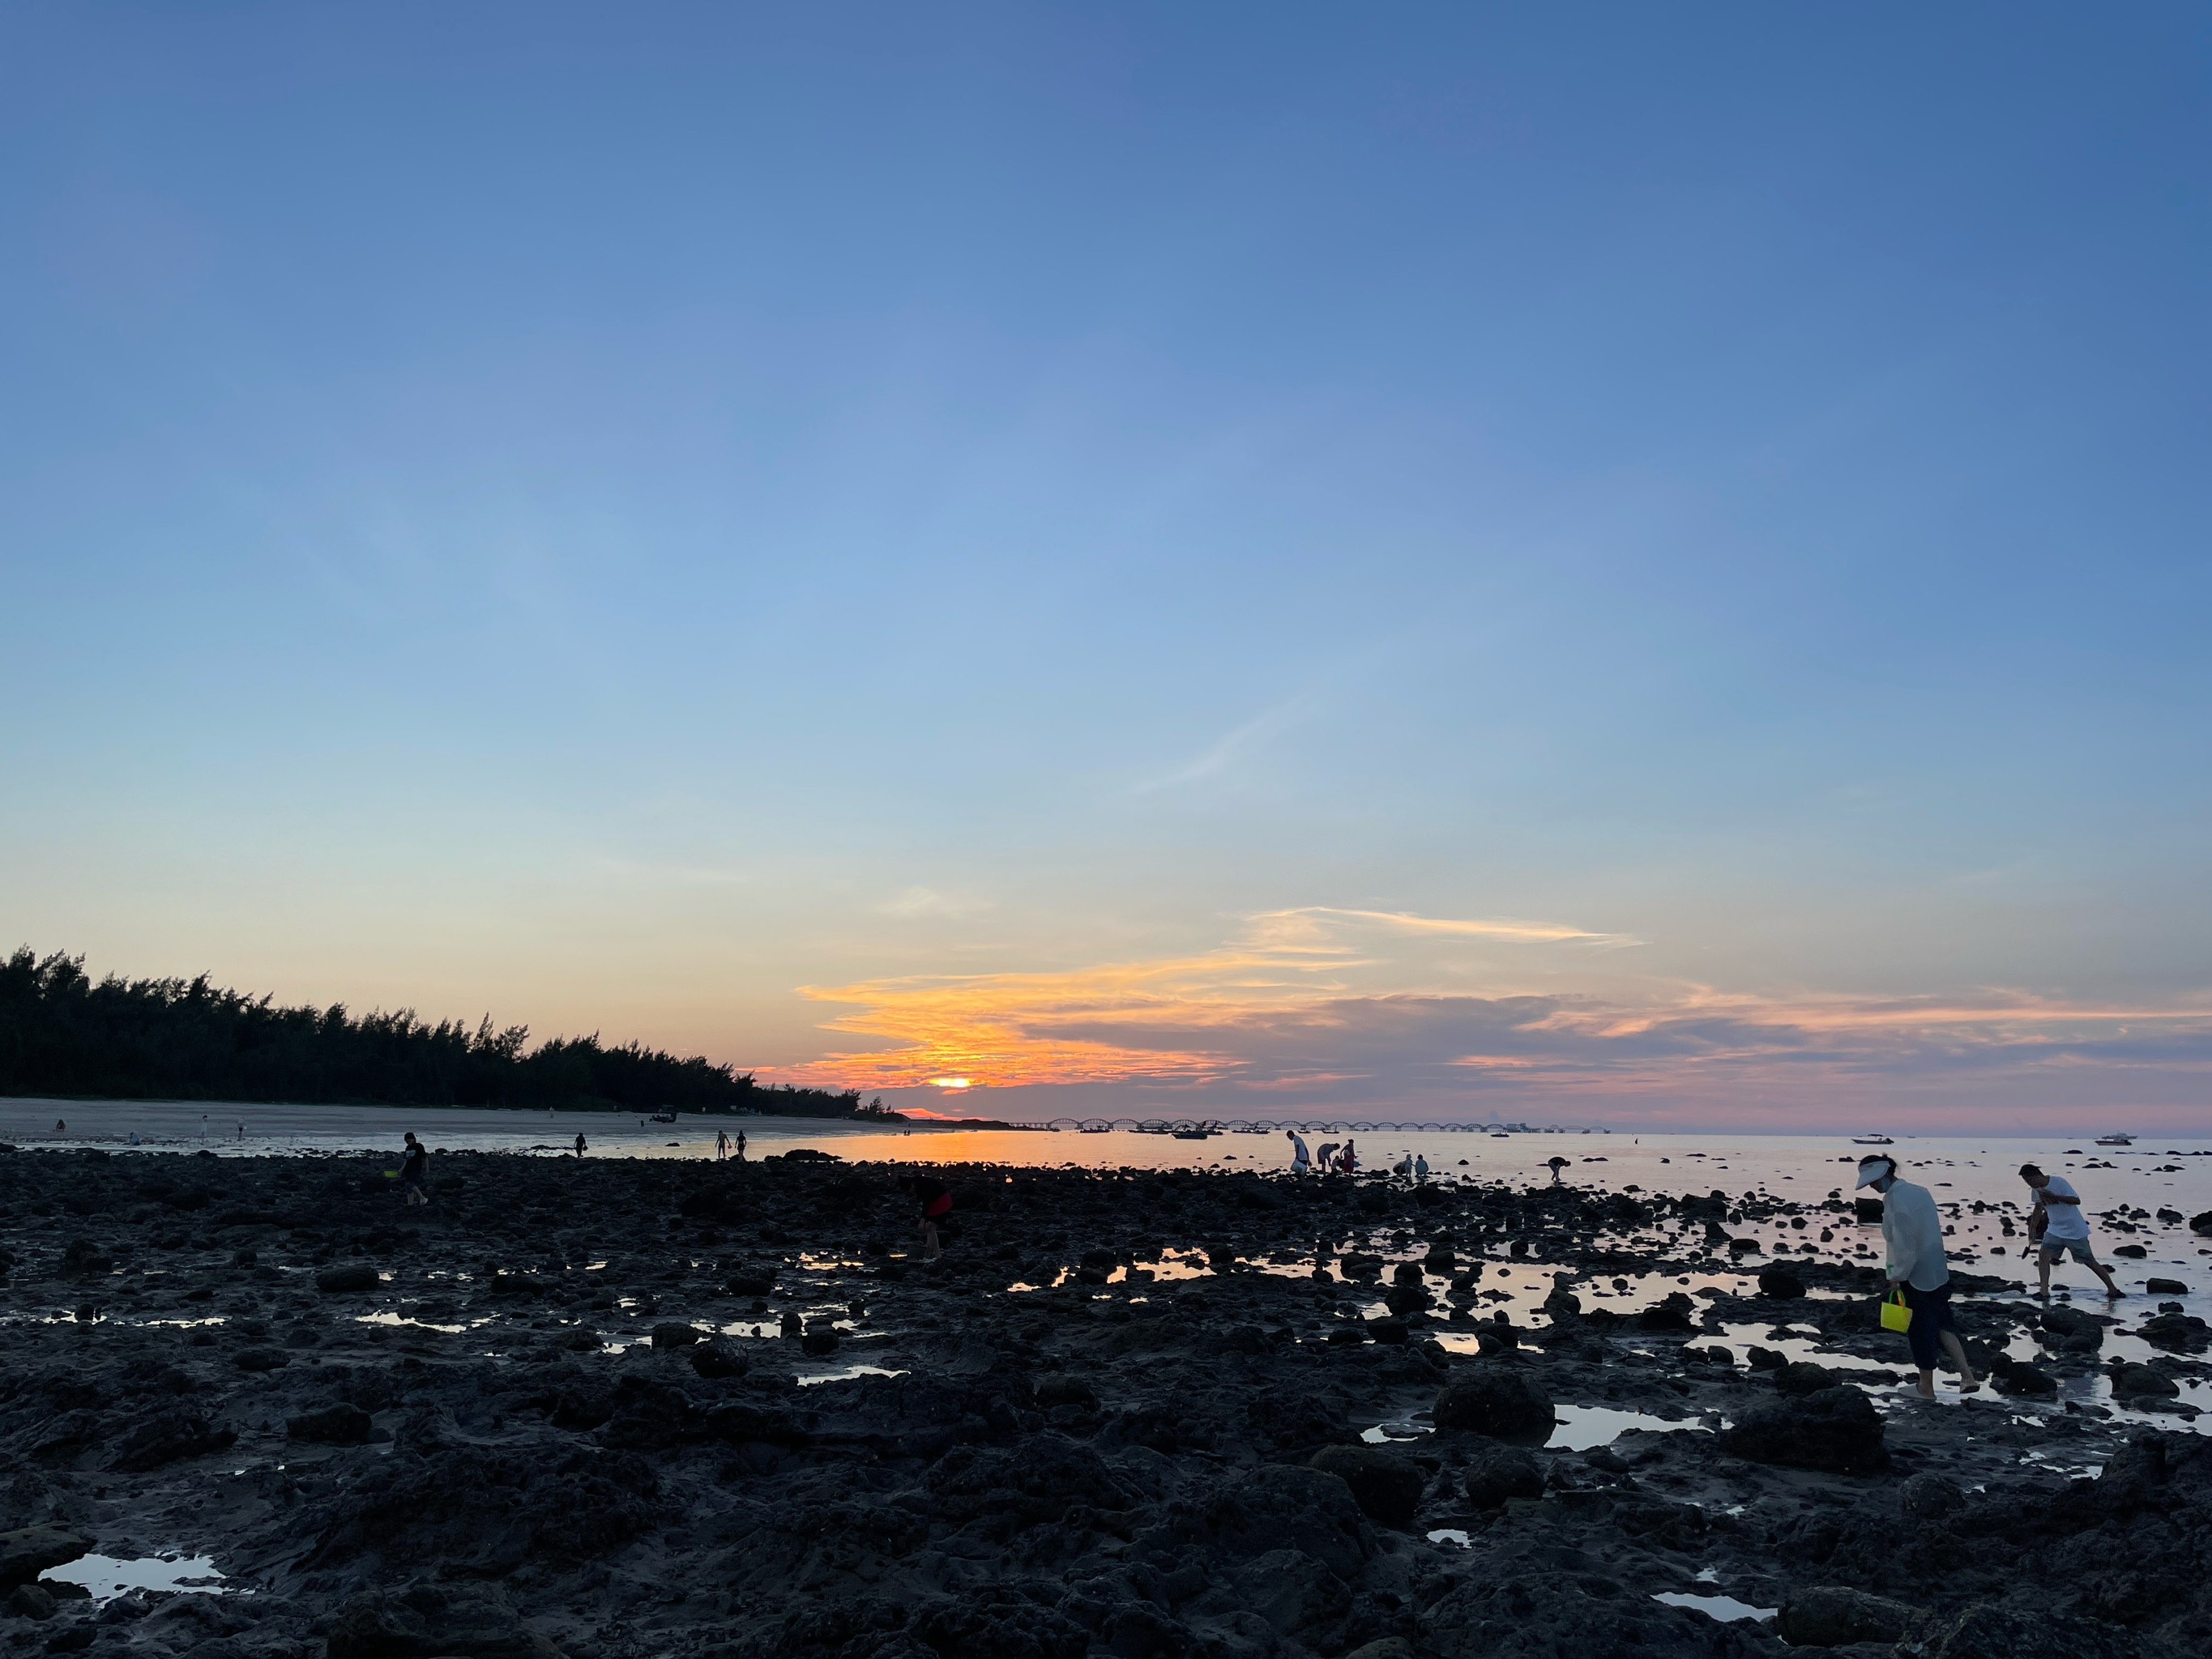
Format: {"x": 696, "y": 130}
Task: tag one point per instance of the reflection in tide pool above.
{"x": 108, "y": 1576}
{"x": 1582, "y": 1427}
{"x": 1725, "y": 1609}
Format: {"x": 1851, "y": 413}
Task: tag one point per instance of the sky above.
{"x": 1589, "y": 564}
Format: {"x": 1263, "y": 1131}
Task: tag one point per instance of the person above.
{"x": 415, "y": 1171}
{"x": 936, "y": 1201}
{"x": 1913, "y": 1231}
{"x": 1558, "y": 1167}
{"x": 1327, "y": 1156}
{"x": 581, "y": 1143}
{"x": 2059, "y": 1228}
{"x": 721, "y": 1146}
{"x": 1349, "y": 1161}
{"x": 61, "y": 1126}
{"x": 1404, "y": 1166}
{"x": 1420, "y": 1166}
{"x": 1301, "y": 1160}
{"x": 741, "y": 1145}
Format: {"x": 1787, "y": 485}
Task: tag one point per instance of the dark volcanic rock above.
{"x": 1994, "y": 1630}
{"x": 673, "y": 1334}
{"x": 2133, "y": 1379}
{"x": 2177, "y": 1333}
{"x": 1503, "y": 1401}
{"x": 1501, "y": 1473}
{"x": 166, "y": 1439}
{"x": 1833, "y": 1615}
{"x": 1780, "y": 1284}
{"x": 334, "y": 1425}
{"x": 1837, "y": 1429}
{"x": 347, "y": 1278}
{"x": 716, "y": 1359}
{"x": 1280, "y": 1506}
{"x": 474, "y": 1621}
{"x": 2068, "y": 1330}
{"x": 26, "y": 1553}
{"x": 1386, "y": 1486}
{"x": 1803, "y": 1376}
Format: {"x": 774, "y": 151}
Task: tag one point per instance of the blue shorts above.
{"x": 2053, "y": 1248}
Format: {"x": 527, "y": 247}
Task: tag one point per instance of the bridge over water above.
{"x": 1268, "y": 1125}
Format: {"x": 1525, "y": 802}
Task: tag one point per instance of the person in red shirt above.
{"x": 936, "y": 1201}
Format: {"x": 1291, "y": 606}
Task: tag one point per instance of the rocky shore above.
{"x": 605, "y": 1409}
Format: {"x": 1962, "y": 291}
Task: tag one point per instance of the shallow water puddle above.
{"x": 1725, "y": 1609}
{"x": 1582, "y": 1427}
{"x": 108, "y": 1576}
{"x": 1450, "y": 1535}
{"x": 845, "y": 1374}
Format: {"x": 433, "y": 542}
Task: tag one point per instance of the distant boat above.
{"x": 1871, "y": 1140}
{"x": 1096, "y": 1129}
{"x": 2115, "y": 1140}
{"x": 1200, "y": 1132}
{"x": 664, "y": 1117}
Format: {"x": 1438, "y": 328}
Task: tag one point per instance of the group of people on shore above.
{"x": 1919, "y": 1270}
{"x": 1334, "y": 1159}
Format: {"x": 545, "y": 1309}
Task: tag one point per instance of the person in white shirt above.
{"x": 2059, "y": 1228}
{"x": 1913, "y": 1231}
{"x": 1301, "y": 1160}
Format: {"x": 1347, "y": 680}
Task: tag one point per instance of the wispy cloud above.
{"x": 1236, "y": 745}
{"x": 1322, "y": 1003}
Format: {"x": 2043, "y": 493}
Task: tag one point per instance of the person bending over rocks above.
{"x": 2059, "y": 1228}
{"x": 1913, "y": 1231}
{"x": 936, "y": 1201}
{"x": 1301, "y": 1160}
{"x": 415, "y": 1171}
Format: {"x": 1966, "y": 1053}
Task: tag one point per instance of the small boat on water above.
{"x": 1871, "y": 1140}
{"x": 1096, "y": 1129}
{"x": 664, "y": 1117}
{"x": 2115, "y": 1139}
{"x": 1196, "y": 1132}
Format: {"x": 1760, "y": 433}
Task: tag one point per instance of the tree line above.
{"x": 63, "y": 1033}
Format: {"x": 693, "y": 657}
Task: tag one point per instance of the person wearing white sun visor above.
{"x": 1912, "y": 1230}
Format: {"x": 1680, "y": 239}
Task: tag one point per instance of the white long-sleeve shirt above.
{"x": 1914, "y": 1234}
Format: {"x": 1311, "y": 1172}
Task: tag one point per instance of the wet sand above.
{"x": 659, "y": 1406}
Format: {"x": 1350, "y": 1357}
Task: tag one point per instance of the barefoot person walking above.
{"x": 1913, "y": 1231}
{"x": 2059, "y": 1228}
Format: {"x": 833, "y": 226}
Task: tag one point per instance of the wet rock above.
{"x": 2177, "y": 1333}
{"x": 1502, "y": 1402}
{"x": 1500, "y": 1472}
{"x": 2068, "y": 1330}
{"x": 1279, "y": 1506}
{"x": 31, "y": 1601}
{"x": 2202, "y": 1223}
{"x": 2015, "y": 1376}
{"x": 347, "y": 1278}
{"x": 1291, "y": 1590}
{"x": 473, "y": 1621}
{"x": 1780, "y": 1284}
{"x": 1764, "y": 1359}
{"x": 673, "y": 1334}
{"x": 716, "y": 1359}
{"x": 1803, "y": 1376}
{"x": 1673, "y": 1313}
{"x": 28, "y": 1552}
{"x": 1836, "y": 1430}
{"x": 167, "y": 1437}
{"x": 1998, "y": 1631}
{"x": 334, "y": 1425}
{"x": 1835, "y": 1615}
{"x": 1928, "y": 1497}
{"x": 2166, "y": 1287}
{"x": 1386, "y": 1486}
{"x": 1390, "y": 1330}
{"x": 2136, "y": 1380}
{"x": 83, "y": 1257}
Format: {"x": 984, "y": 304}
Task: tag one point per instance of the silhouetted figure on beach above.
{"x": 415, "y": 1171}
{"x": 582, "y": 1145}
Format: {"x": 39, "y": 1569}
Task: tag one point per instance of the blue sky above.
{"x": 1121, "y": 552}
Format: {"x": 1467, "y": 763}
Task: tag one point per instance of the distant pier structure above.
{"x": 1267, "y": 1126}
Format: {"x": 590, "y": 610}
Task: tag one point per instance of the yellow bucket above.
{"x": 1895, "y": 1315}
